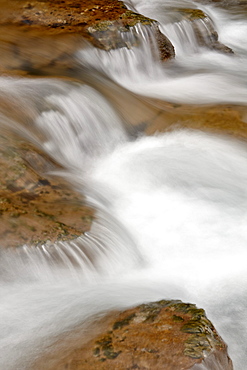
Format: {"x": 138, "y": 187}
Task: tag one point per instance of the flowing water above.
{"x": 170, "y": 208}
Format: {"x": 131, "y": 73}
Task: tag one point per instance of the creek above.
{"x": 170, "y": 207}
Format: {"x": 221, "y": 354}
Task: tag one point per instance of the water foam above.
{"x": 171, "y": 208}
{"x": 181, "y": 198}
{"x": 196, "y": 74}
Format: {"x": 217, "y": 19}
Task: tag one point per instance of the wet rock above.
{"x": 100, "y": 21}
{"x": 35, "y": 207}
{"x": 203, "y": 27}
{"x": 224, "y": 3}
{"x": 169, "y": 335}
{"x": 35, "y": 52}
{"x": 218, "y": 119}
{"x": 150, "y": 115}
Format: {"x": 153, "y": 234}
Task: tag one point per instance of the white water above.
{"x": 197, "y": 74}
{"x": 171, "y": 219}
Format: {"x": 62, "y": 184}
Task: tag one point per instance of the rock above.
{"x": 100, "y": 22}
{"x": 203, "y": 27}
{"x": 35, "y": 207}
{"x": 169, "y": 335}
{"x": 224, "y": 3}
{"x": 218, "y": 119}
{"x": 35, "y": 52}
{"x": 150, "y": 115}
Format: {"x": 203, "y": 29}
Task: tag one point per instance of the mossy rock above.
{"x": 98, "y": 22}
{"x": 159, "y": 335}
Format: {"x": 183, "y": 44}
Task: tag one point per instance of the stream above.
{"x": 170, "y": 206}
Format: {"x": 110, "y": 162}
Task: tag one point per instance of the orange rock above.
{"x": 35, "y": 208}
{"x": 98, "y": 21}
{"x": 167, "y": 335}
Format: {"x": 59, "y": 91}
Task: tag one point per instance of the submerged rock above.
{"x": 169, "y": 335}
{"x": 218, "y": 119}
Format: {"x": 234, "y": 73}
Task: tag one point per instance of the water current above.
{"x": 170, "y": 207}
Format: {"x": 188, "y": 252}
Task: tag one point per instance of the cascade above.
{"x": 170, "y": 208}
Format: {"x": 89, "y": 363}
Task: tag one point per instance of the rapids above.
{"x": 171, "y": 208}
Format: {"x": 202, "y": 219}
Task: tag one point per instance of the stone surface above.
{"x": 150, "y": 115}
{"x": 35, "y": 207}
{"x": 34, "y": 52}
{"x": 98, "y": 21}
{"x": 203, "y": 27}
{"x": 219, "y": 119}
{"x": 167, "y": 335}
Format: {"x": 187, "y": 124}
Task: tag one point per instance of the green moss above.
{"x": 193, "y": 326}
{"x": 129, "y": 18}
{"x": 192, "y": 14}
{"x": 87, "y": 219}
{"x": 152, "y": 310}
{"x": 197, "y": 345}
{"x": 137, "y": 18}
{"x": 124, "y": 322}
{"x": 100, "y": 26}
{"x": 104, "y": 349}
{"x": 189, "y": 308}
{"x": 203, "y": 337}
{"x": 96, "y": 352}
{"x": 45, "y": 215}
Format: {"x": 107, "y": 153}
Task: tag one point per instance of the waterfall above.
{"x": 138, "y": 60}
{"x": 170, "y": 209}
{"x": 138, "y": 70}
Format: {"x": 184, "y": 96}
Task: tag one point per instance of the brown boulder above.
{"x": 100, "y": 22}
{"x": 35, "y": 207}
{"x": 218, "y": 119}
{"x": 167, "y": 335}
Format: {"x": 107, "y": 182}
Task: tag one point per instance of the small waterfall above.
{"x": 74, "y": 125}
{"x": 170, "y": 209}
{"x": 169, "y": 206}
{"x": 103, "y": 251}
{"x": 71, "y": 122}
{"x": 190, "y": 35}
{"x": 139, "y": 54}
{"x": 137, "y": 67}
{"x": 84, "y": 119}
{"x": 182, "y": 34}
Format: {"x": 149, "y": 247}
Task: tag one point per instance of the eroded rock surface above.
{"x": 167, "y": 335}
